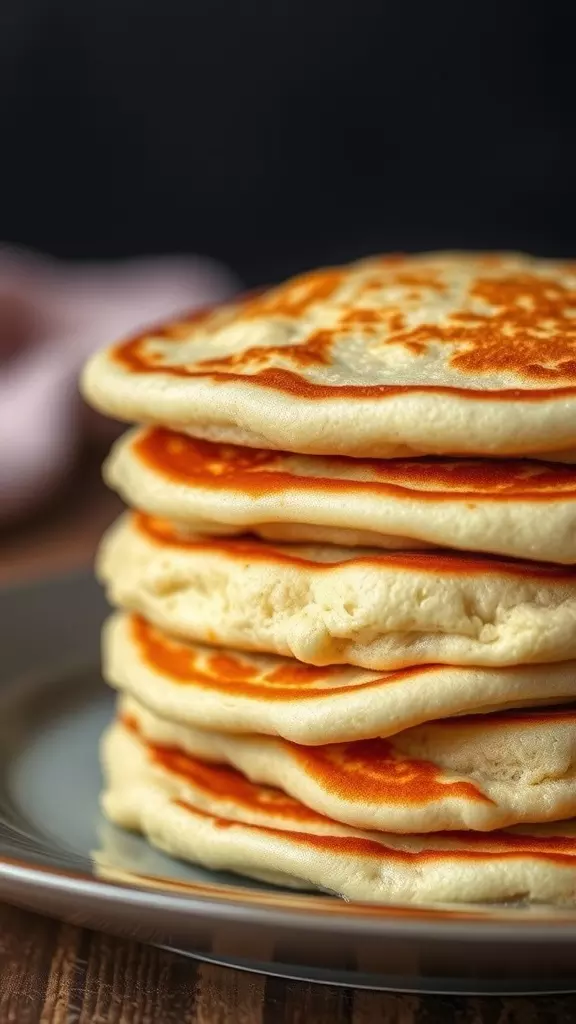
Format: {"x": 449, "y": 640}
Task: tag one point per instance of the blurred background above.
{"x": 265, "y": 136}
{"x": 276, "y": 135}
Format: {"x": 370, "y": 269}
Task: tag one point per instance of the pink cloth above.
{"x": 52, "y": 316}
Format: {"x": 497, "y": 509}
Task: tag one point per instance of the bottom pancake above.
{"x": 214, "y": 816}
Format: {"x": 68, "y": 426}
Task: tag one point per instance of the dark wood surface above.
{"x": 55, "y": 973}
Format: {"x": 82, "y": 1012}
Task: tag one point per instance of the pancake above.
{"x": 329, "y": 605}
{"x": 233, "y": 692}
{"x": 475, "y": 773}
{"x": 213, "y": 816}
{"x": 521, "y": 509}
{"x": 439, "y": 354}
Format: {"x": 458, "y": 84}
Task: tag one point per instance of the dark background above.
{"x": 278, "y": 135}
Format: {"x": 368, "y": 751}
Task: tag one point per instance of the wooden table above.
{"x": 58, "y": 974}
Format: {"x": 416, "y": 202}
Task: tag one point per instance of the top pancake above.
{"x": 445, "y": 353}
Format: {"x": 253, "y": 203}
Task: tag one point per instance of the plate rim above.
{"x": 285, "y": 910}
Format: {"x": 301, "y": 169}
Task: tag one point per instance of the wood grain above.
{"x": 54, "y": 973}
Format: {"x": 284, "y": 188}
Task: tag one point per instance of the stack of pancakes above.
{"x": 345, "y": 642}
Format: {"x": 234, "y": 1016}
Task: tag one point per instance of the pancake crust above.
{"x": 485, "y": 774}
{"x": 228, "y": 823}
{"x": 443, "y": 353}
{"x": 522, "y": 509}
{"x": 230, "y": 691}
{"x": 331, "y": 605}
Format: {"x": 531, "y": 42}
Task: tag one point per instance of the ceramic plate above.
{"x": 57, "y": 854}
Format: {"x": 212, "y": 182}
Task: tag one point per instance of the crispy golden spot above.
{"x": 230, "y": 674}
{"x": 519, "y": 323}
{"x": 528, "y": 329}
{"x": 418, "y": 279}
{"x": 314, "y": 351}
{"x": 223, "y": 781}
{"x": 296, "y": 297}
{"x": 373, "y": 771}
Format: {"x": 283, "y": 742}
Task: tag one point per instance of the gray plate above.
{"x": 58, "y": 856}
